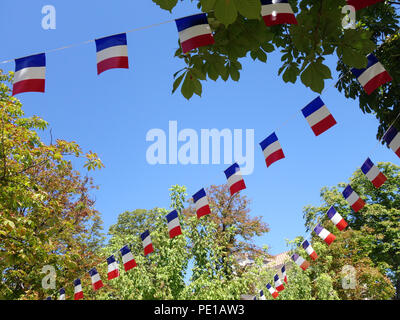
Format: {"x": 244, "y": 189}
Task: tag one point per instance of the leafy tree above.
{"x": 165, "y": 274}
{"x": 372, "y": 242}
{"x": 239, "y": 31}
{"x": 46, "y": 214}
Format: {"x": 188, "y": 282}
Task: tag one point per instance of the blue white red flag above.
{"x": 284, "y": 275}
{"x": 235, "y": 179}
{"x": 262, "y": 296}
{"x": 127, "y": 258}
{"x": 318, "y": 116}
{"x": 324, "y": 234}
{"x": 278, "y": 283}
{"x": 174, "y": 227}
{"x": 373, "y": 173}
{"x": 201, "y": 201}
{"x": 277, "y": 12}
{"x": 96, "y": 280}
{"x": 336, "y": 218}
{"x": 272, "y": 290}
{"x": 112, "y": 268}
{"x": 62, "y": 294}
{"x": 78, "y": 293}
{"x": 194, "y": 32}
{"x": 353, "y": 198}
{"x": 147, "y": 244}
{"x": 373, "y": 76}
{"x": 272, "y": 149}
{"x": 309, "y": 249}
{"x": 30, "y": 74}
{"x": 112, "y": 52}
{"x": 392, "y": 138}
{"x": 300, "y": 261}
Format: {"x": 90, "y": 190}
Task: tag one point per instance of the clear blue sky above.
{"x": 110, "y": 114}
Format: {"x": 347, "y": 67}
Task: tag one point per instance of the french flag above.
{"x": 277, "y": 12}
{"x": 278, "y": 283}
{"x": 112, "y": 268}
{"x": 194, "y": 32}
{"x": 201, "y": 201}
{"x": 272, "y": 290}
{"x": 353, "y": 199}
{"x": 30, "y": 74}
{"x": 318, "y": 116}
{"x": 309, "y": 249}
{"x": 300, "y": 261}
{"x": 284, "y": 276}
{"x": 235, "y": 180}
{"x": 112, "y": 52}
{"x": 373, "y": 76}
{"x": 272, "y": 149}
{"x": 62, "y": 294}
{"x": 324, "y": 234}
{"x": 360, "y": 4}
{"x": 336, "y": 218}
{"x": 392, "y": 138}
{"x": 262, "y": 296}
{"x": 147, "y": 244}
{"x": 78, "y": 293}
{"x": 127, "y": 258}
{"x": 96, "y": 281}
{"x": 373, "y": 174}
{"x": 174, "y": 227}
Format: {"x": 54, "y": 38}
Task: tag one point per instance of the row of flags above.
{"x": 195, "y": 32}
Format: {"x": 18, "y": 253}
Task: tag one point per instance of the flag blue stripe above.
{"x": 313, "y": 106}
{"x": 188, "y": 22}
{"x": 367, "y": 166}
{"x": 269, "y": 140}
{"x": 37, "y": 60}
{"x": 347, "y": 191}
{"x": 267, "y": 2}
{"x": 145, "y": 234}
{"x": 172, "y": 215}
{"x": 231, "y": 170}
{"x": 110, "y": 259}
{"x": 111, "y": 41}
{"x": 389, "y": 136}
{"x": 306, "y": 244}
{"x": 124, "y": 250}
{"x": 77, "y": 282}
{"x": 331, "y": 212}
{"x": 318, "y": 229}
{"x": 198, "y": 195}
{"x": 92, "y": 272}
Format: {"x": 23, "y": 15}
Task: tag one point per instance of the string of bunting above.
{"x": 194, "y": 32}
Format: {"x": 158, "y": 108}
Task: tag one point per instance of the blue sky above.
{"x": 111, "y": 114}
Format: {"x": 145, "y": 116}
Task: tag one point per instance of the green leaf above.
{"x": 313, "y": 78}
{"x": 207, "y": 5}
{"x": 166, "y": 4}
{"x": 177, "y": 82}
{"x": 250, "y": 9}
{"x": 187, "y": 87}
{"x": 290, "y": 74}
{"x": 226, "y": 11}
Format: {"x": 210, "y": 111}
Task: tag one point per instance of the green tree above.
{"x": 239, "y": 32}
{"x": 372, "y": 242}
{"x": 46, "y": 214}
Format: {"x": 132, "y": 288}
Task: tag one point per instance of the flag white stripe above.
{"x": 111, "y": 52}
{"x": 146, "y": 241}
{"x": 201, "y": 203}
{"x": 352, "y": 198}
{"x": 127, "y": 257}
{"x": 336, "y": 218}
{"x": 309, "y": 250}
{"x": 323, "y": 234}
{"x": 276, "y": 8}
{"x": 112, "y": 266}
{"x": 173, "y": 224}
{"x": 96, "y": 278}
{"x": 237, "y": 176}
{"x": 30, "y": 73}
{"x": 195, "y": 31}
{"x": 78, "y": 288}
{"x": 372, "y": 173}
{"x": 318, "y": 115}
{"x": 370, "y": 73}
{"x": 300, "y": 261}
{"x": 395, "y": 144}
{"x": 275, "y": 146}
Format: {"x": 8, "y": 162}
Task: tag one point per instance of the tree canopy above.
{"x": 239, "y": 32}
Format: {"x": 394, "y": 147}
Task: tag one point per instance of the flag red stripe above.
{"x": 196, "y": 42}
{"x": 323, "y": 125}
{"x": 203, "y": 211}
{"x": 240, "y": 185}
{"x": 273, "y": 157}
{"x": 175, "y": 232}
{"x": 31, "y": 85}
{"x": 112, "y": 63}
{"x": 377, "y": 81}
{"x": 280, "y": 18}
{"x": 129, "y": 265}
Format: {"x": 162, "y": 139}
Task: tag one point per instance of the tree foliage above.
{"x": 46, "y": 214}
{"x": 240, "y": 32}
